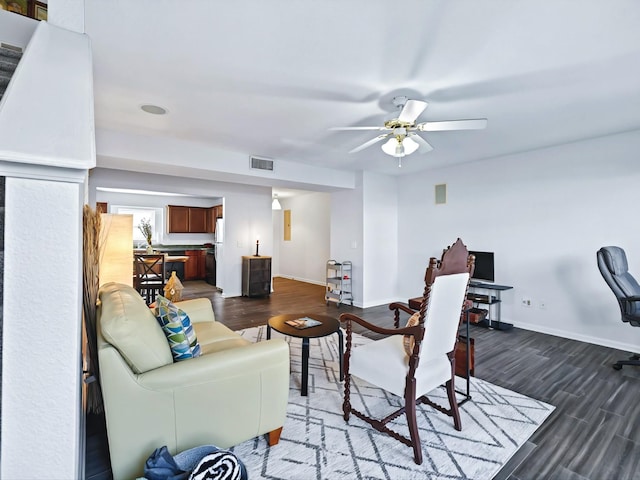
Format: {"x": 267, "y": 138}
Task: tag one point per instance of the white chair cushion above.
{"x": 443, "y": 313}
{"x": 390, "y": 374}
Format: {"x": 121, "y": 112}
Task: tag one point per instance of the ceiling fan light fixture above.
{"x": 390, "y": 147}
{"x": 410, "y": 145}
{"x": 399, "y": 150}
{"x": 275, "y": 205}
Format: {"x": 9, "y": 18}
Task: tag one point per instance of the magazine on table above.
{"x": 304, "y": 322}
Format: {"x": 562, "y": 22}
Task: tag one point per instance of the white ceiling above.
{"x": 270, "y": 78}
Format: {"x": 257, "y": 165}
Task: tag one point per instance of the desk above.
{"x": 492, "y": 298}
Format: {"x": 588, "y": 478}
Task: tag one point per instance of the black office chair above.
{"x": 612, "y": 262}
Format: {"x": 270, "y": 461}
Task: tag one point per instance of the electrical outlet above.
{"x": 526, "y": 302}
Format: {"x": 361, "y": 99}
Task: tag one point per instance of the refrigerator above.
{"x": 219, "y": 233}
{"x": 219, "y": 253}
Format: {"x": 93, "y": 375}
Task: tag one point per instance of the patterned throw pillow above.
{"x": 408, "y": 341}
{"x": 178, "y": 329}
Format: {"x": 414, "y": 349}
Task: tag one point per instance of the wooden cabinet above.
{"x": 178, "y": 219}
{"x": 256, "y": 276}
{"x": 194, "y": 267}
{"x": 213, "y": 213}
{"x": 197, "y": 220}
{"x": 184, "y": 219}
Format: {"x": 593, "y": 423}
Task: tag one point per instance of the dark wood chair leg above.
{"x": 346, "y": 404}
{"x": 274, "y": 436}
{"x": 455, "y": 413}
{"x": 412, "y": 421}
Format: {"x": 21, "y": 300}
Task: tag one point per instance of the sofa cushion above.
{"x": 178, "y": 329}
{"x": 127, "y": 323}
{"x": 211, "y": 332}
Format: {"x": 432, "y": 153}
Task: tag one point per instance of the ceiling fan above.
{"x": 401, "y": 130}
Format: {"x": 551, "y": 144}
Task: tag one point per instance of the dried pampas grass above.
{"x": 90, "y": 284}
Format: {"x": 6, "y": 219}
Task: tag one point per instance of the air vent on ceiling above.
{"x": 261, "y": 163}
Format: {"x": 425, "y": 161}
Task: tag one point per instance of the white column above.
{"x": 41, "y": 377}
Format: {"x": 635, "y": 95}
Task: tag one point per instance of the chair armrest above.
{"x": 349, "y": 317}
{"x": 634, "y": 298}
{"x": 397, "y": 306}
{"x": 402, "y": 306}
{"x": 212, "y": 367}
{"x": 198, "y": 309}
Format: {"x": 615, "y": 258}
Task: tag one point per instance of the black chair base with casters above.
{"x": 612, "y": 263}
{"x": 633, "y": 360}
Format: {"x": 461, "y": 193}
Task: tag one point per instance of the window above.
{"x": 140, "y": 213}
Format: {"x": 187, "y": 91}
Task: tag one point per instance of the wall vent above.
{"x": 441, "y": 194}
{"x": 262, "y": 163}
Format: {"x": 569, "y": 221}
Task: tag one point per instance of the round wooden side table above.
{"x": 328, "y": 326}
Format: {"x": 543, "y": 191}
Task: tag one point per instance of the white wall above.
{"x": 247, "y": 213}
{"x": 380, "y": 235}
{"x": 545, "y": 214}
{"x": 51, "y": 93}
{"x": 347, "y": 234}
{"x": 16, "y": 31}
{"x": 173, "y": 156}
{"x": 364, "y": 230}
{"x": 305, "y": 256}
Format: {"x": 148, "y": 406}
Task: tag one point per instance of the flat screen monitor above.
{"x": 484, "y": 266}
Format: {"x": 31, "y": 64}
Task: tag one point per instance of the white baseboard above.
{"x": 306, "y": 280}
{"x": 627, "y": 347}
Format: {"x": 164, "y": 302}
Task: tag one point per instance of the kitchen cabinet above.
{"x": 184, "y": 219}
{"x": 195, "y": 266}
{"x": 213, "y": 213}
{"x": 256, "y": 276}
{"x": 197, "y": 220}
{"x": 178, "y": 219}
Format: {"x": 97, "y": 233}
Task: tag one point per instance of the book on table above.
{"x": 304, "y": 322}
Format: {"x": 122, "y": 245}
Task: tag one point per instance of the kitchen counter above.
{"x": 180, "y": 248}
{"x": 190, "y": 262}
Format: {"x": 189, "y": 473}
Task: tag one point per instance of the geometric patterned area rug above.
{"x": 317, "y": 443}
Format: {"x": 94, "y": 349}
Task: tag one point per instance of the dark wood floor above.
{"x": 594, "y": 433}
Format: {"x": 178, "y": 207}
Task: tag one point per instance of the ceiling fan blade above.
{"x": 358, "y": 128}
{"x": 476, "y": 124}
{"x": 424, "y": 145}
{"x": 412, "y": 110}
{"x": 370, "y": 142}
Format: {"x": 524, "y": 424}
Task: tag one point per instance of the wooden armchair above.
{"x": 431, "y": 340}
